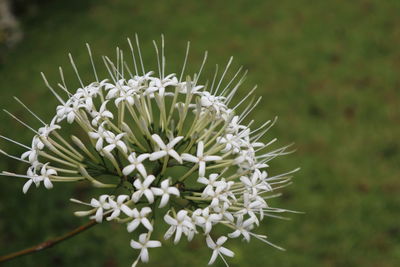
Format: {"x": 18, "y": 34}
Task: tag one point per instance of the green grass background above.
{"x": 328, "y": 69}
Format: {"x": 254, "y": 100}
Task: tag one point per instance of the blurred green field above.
{"x": 328, "y": 69}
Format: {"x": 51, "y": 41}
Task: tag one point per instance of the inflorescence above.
{"x": 159, "y": 144}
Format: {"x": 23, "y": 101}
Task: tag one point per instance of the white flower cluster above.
{"x": 162, "y": 145}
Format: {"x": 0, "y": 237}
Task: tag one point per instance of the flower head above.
{"x": 167, "y": 145}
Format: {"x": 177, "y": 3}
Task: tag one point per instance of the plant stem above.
{"x": 49, "y": 243}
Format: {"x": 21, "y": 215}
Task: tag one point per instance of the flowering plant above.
{"x": 160, "y": 144}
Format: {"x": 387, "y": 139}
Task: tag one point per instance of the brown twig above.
{"x": 47, "y": 244}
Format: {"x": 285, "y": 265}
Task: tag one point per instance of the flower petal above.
{"x": 157, "y": 155}
{"x": 159, "y": 141}
{"x": 128, "y": 169}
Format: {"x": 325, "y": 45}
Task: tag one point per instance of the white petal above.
{"x": 142, "y": 170}
{"x": 143, "y": 238}
{"x": 157, "y": 191}
{"x": 128, "y": 212}
{"x": 121, "y": 198}
{"x": 226, "y": 252}
{"x": 173, "y": 191}
{"x": 47, "y": 183}
{"x": 165, "y": 184}
{"x": 99, "y": 144}
{"x": 245, "y": 180}
{"x": 26, "y": 186}
{"x": 157, "y": 155}
{"x": 203, "y": 180}
{"x": 135, "y": 213}
{"x": 181, "y": 215}
{"x": 144, "y": 255}
{"x": 51, "y": 172}
{"x": 95, "y": 203}
{"x": 108, "y": 114}
{"x": 146, "y": 223}
{"x": 133, "y": 225}
{"x": 147, "y": 182}
{"x": 175, "y": 141}
{"x": 178, "y": 235}
{"x": 159, "y": 141}
{"x": 136, "y": 196}
{"x": 202, "y": 168}
{"x": 221, "y": 240}
{"x": 213, "y": 257}
{"x": 25, "y": 154}
{"x": 207, "y": 228}
{"x": 99, "y": 215}
{"x": 122, "y": 146}
{"x": 109, "y": 148}
{"x": 153, "y": 244}
{"x": 71, "y": 117}
{"x": 190, "y": 158}
{"x": 234, "y": 234}
{"x": 164, "y": 200}
{"x": 200, "y": 149}
{"x": 169, "y": 232}
{"x": 143, "y": 157}
{"x": 175, "y": 155}
{"x": 145, "y": 211}
{"x": 128, "y": 169}
{"x": 149, "y": 195}
{"x": 168, "y": 219}
{"x": 137, "y": 184}
{"x": 135, "y": 245}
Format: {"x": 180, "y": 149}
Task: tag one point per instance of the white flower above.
{"x": 136, "y": 164}
{"x": 118, "y": 206}
{"x": 31, "y": 154}
{"x": 179, "y": 225}
{"x": 47, "y": 129}
{"x": 157, "y": 85}
{"x": 139, "y": 218}
{"x": 221, "y": 193}
{"x": 115, "y": 142}
{"x": 214, "y": 103}
{"x": 114, "y": 91}
{"x": 242, "y": 228}
{"x": 205, "y": 219}
{"x": 250, "y": 206}
{"x": 100, "y": 135}
{"x": 34, "y": 178}
{"x": 68, "y": 110}
{"x": 143, "y": 189}
{"x": 101, "y": 114}
{"x": 85, "y": 95}
{"x": 200, "y": 158}
{"x": 234, "y": 127}
{"x": 211, "y": 182}
{"x": 101, "y": 205}
{"x": 45, "y": 174}
{"x": 232, "y": 143}
{"x": 165, "y": 190}
{"x": 255, "y": 183}
{"x": 143, "y": 244}
{"x": 218, "y": 249}
{"x": 125, "y": 95}
{"x": 165, "y": 149}
{"x": 184, "y": 88}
